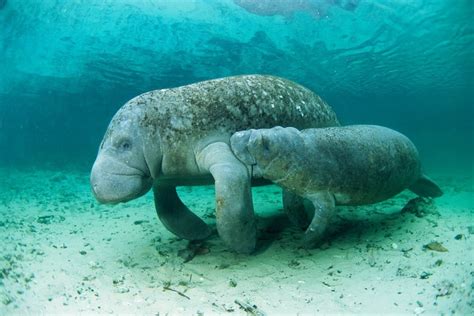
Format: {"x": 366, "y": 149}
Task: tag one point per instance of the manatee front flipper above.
{"x": 234, "y": 209}
{"x": 296, "y": 210}
{"x": 175, "y": 216}
{"x": 426, "y": 187}
{"x": 324, "y": 206}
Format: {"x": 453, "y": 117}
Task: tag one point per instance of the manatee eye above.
{"x": 125, "y": 145}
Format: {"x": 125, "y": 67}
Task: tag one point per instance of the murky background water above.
{"x": 67, "y": 66}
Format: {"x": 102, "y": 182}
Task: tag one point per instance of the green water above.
{"x": 67, "y": 66}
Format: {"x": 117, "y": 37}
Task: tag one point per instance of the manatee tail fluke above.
{"x": 426, "y": 187}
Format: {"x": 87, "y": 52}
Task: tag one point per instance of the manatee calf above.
{"x": 175, "y": 137}
{"x": 351, "y": 165}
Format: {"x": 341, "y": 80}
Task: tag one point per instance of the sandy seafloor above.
{"x": 62, "y": 253}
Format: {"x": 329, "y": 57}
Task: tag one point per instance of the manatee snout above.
{"x": 239, "y": 143}
{"x": 259, "y": 146}
{"x": 113, "y": 181}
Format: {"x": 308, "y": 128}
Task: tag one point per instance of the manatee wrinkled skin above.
{"x": 180, "y": 136}
{"x": 350, "y": 165}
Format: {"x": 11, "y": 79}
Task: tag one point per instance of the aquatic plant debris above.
{"x": 48, "y": 219}
{"x": 435, "y": 246}
{"x": 167, "y": 287}
{"x": 193, "y": 249}
{"x": 250, "y": 308}
{"x": 420, "y": 207}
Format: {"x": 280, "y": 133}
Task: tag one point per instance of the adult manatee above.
{"x": 175, "y": 137}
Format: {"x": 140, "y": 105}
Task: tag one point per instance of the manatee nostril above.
{"x": 265, "y": 143}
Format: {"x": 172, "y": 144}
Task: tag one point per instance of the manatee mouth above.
{"x": 113, "y": 182}
{"x": 120, "y": 188}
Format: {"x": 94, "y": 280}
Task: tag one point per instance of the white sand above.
{"x": 63, "y": 253}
